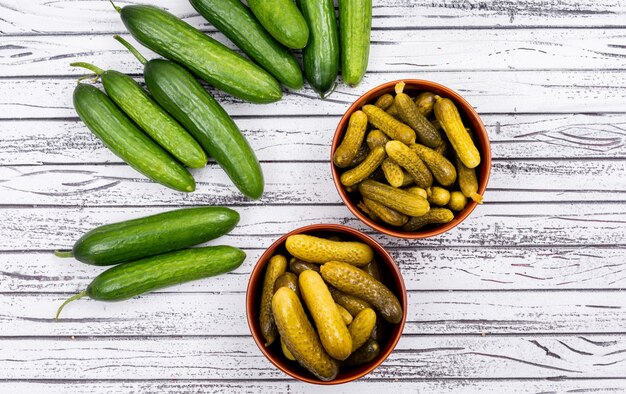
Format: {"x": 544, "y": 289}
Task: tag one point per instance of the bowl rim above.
{"x": 389, "y": 261}
{"x": 483, "y": 142}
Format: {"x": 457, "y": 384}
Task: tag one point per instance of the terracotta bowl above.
{"x": 391, "y": 278}
{"x": 470, "y": 118}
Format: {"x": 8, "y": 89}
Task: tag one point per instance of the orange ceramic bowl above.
{"x": 470, "y": 118}
{"x": 391, "y": 277}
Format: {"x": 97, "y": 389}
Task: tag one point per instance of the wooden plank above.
{"x": 424, "y": 268}
{"x": 32, "y": 142}
{"x": 364, "y": 385}
{"x": 488, "y": 91}
{"x": 293, "y": 182}
{"x": 223, "y": 313}
{"x": 41, "y": 17}
{"x": 238, "y": 358}
{"x": 391, "y": 50}
{"x": 525, "y": 225}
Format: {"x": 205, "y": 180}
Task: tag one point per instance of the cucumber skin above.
{"x": 149, "y": 116}
{"x": 321, "y": 55}
{"x": 128, "y": 280}
{"x": 210, "y": 60}
{"x": 152, "y": 235}
{"x": 355, "y": 25}
{"x": 188, "y": 102}
{"x": 238, "y": 23}
{"x": 283, "y": 20}
{"x": 123, "y": 138}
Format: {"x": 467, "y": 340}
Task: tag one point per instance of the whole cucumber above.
{"x": 128, "y": 280}
{"x": 321, "y": 55}
{"x": 283, "y": 20}
{"x": 151, "y": 235}
{"x": 188, "y": 102}
{"x": 123, "y": 138}
{"x": 147, "y": 114}
{"x": 355, "y": 25}
{"x": 237, "y": 23}
{"x": 212, "y": 61}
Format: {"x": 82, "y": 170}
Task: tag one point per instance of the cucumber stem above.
{"x": 132, "y": 49}
{"x": 118, "y": 9}
{"x": 72, "y": 298}
{"x": 399, "y": 88}
{"x": 62, "y": 254}
{"x": 96, "y": 70}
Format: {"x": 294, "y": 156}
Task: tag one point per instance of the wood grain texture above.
{"x": 238, "y": 358}
{"x": 501, "y": 225}
{"x": 391, "y": 51}
{"x": 488, "y": 91}
{"x": 423, "y": 268}
{"x": 223, "y": 313}
{"x": 40, "y": 16}
{"x": 289, "y": 183}
{"x": 300, "y": 138}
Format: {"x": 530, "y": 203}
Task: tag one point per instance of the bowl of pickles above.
{"x": 326, "y": 304}
{"x": 411, "y": 159}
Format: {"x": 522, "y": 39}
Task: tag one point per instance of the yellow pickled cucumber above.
{"x": 361, "y": 327}
{"x": 468, "y": 182}
{"x": 409, "y": 113}
{"x": 332, "y": 330}
{"x": 345, "y": 315}
{"x": 288, "y": 279}
{"x": 393, "y": 173}
{"x": 275, "y": 268}
{"x": 448, "y": 115}
{"x": 319, "y": 250}
{"x": 389, "y": 125}
{"x": 434, "y": 216}
{"x": 438, "y": 196}
{"x": 376, "y": 138}
{"x": 457, "y": 201}
{"x": 352, "y": 304}
{"x": 373, "y": 160}
{"x": 384, "y": 213}
{"x": 286, "y": 351}
{"x": 300, "y": 336}
{"x": 384, "y": 102}
{"x": 411, "y": 162}
{"x": 394, "y": 198}
{"x": 354, "y": 281}
{"x": 352, "y": 140}
{"x": 363, "y": 355}
{"x": 418, "y": 191}
{"x": 298, "y": 266}
{"x": 425, "y": 102}
{"x": 441, "y": 168}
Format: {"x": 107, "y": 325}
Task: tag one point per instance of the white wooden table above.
{"x": 527, "y": 295}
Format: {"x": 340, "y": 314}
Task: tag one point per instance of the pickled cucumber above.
{"x": 363, "y": 355}
{"x": 361, "y": 327}
{"x": 389, "y": 125}
{"x": 352, "y": 140}
{"x": 275, "y": 268}
{"x": 288, "y": 279}
{"x": 441, "y": 168}
{"x": 320, "y": 250}
{"x": 373, "y": 160}
{"x": 434, "y": 216}
{"x": 394, "y": 198}
{"x": 298, "y": 266}
{"x": 354, "y": 305}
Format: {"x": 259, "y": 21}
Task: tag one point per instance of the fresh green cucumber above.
{"x": 283, "y": 20}
{"x": 128, "y": 280}
{"x": 236, "y": 21}
{"x": 123, "y": 138}
{"x": 210, "y": 60}
{"x": 165, "y": 232}
{"x": 355, "y": 25}
{"x": 147, "y": 114}
{"x": 188, "y": 102}
{"x": 321, "y": 55}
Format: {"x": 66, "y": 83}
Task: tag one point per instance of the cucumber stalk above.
{"x": 62, "y": 254}
{"x": 72, "y": 298}
{"x": 118, "y": 9}
{"x": 132, "y": 49}
{"x": 96, "y": 70}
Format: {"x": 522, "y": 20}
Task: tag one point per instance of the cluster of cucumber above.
{"x": 152, "y": 252}
{"x": 179, "y": 124}
{"x": 340, "y": 285}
